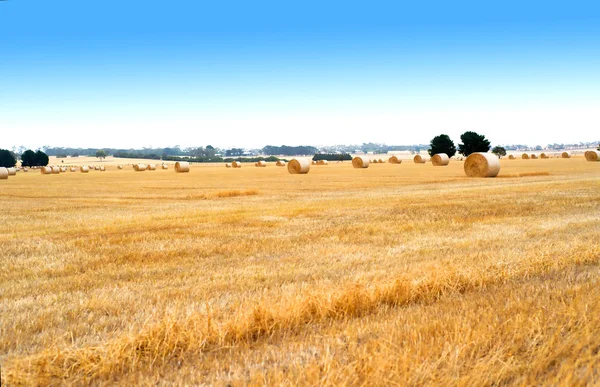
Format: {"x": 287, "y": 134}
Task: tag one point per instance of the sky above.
{"x": 132, "y": 74}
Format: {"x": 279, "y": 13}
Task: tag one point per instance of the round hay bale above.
{"x": 543, "y": 156}
{"x": 151, "y": 167}
{"x": 565, "y": 155}
{"x": 165, "y": 166}
{"x": 481, "y": 164}
{"x": 261, "y": 164}
{"x": 102, "y": 168}
{"x": 119, "y": 167}
{"x": 182, "y": 167}
{"x": 380, "y": 161}
{"x": 322, "y": 162}
{"x": 440, "y": 160}
{"x": 299, "y": 166}
{"x": 227, "y": 165}
{"x": 394, "y": 160}
{"x": 236, "y": 164}
{"x": 12, "y": 171}
{"x": 3, "y": 173}
{"x": 511, "y": 157}
{"x": 534, "y": 156}
{"x": 139, "y": 167}
{"x": 46, "y": 170}
{"x": 360, "y": 162}
{"x": 593, "y": 155}
{"x": 280, "y": 163}
{"x": 418, "y": 159}
{"x": 84, "y": 169}
{"x": 314, "y": 162}
{"x": 25, "y": 169}
{"x": 525, "y": 156}
{"x": 55, "y": 170}
{"x": 73, "y": 169}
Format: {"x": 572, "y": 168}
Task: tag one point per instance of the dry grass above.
{"x": 341, "y": 276}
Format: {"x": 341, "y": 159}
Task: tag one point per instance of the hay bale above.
{"x": 151, "y": 167}
{"x": 360, "y": 162}
{"x": 299, "y": 166}
{"x": 119, "y": 167}
{"x": 394, "y": 160}
{"x": 55, "y": 170}
{"x": 593, "y": 155}
{"x": 261, "y": 164}
{"x": 565, "y": 155}
{"x": 314, "y": 162}
{"x": 84, "y": 169}
{"x": 236, "y": 164}
{"x": 165, "y": 166}
{"x": 322, "y": 162}
{"x": 481, "y": 164}
{"x": 12, "y": 171}
{"x": 440, "y": 160}
{"x": 525, "y": 156}
{"x": 280, "y": 163}
{"x": 380, "y": 161}
{"x": 418, "y": 159}
{"x": 73, "y": 169}
{"x": 139, "y": 167}
{"x": 3, "y": 173}
{"x": 534, "y": 156}
{"x": 511, "y": 157}
{"x": 227, "y": 165}
{"x": 46, "y": 170}
{"x": 543, "y": 156}
{"x": 182, "y": 167}
{"x": 25, "y": 169}
{"x": 102, "y": 168}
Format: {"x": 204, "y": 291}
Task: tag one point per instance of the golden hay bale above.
{"x": 380, "y": 161}
{"x": 73, "y": 169}
{"x": 236, "y": 164}
{"x": 151, "y": 167}
{"x": 55, "y": 170}
{"x": 322, "y": 162}
{"x": 165, "y": 166}
{"x": 182, "y": 167}
{"x": 84, "y": 169}
{"x": 525, "y": 156}
{"x": 440, "y": 159}
{"x": 102, "y": 168}
{"x": 25, "y": 169}
{"x": 46, "y": 170}
{"x": 592, "y": 155}
{"x": 299, "y": 166}
{"x": 139, "y": 167}
{"x": 565, "y": 155}
{"x": 12, "y": 171}
{"x": 395, "y": 160}
{"x": 227, "y": 165}
{"x": 3, "y": 173}
{"x": 280, "y": 163}
{"x": 261, "y": 164}
{"x": 314, "y": 162}
{"x": 543, "y": 156}
{"x": 418, "y": 159}
{"x": 511, "y": 157}
{"x": 534, "y": 156}
{"x": 481, "y": 164}
{"x": 119, "y": 167}
{"x": 360, "y": 162}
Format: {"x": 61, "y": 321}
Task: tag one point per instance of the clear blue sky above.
{"x": 232, "y": 73}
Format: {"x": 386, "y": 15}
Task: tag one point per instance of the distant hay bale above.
{"x": 25, "y": 169}
{"x": 380, "y": 161}
{"x": 322, "y": 162}
{"x": 55, "y": 170}
{"x": 3, "y": 173}
{"x": 84, "y": 169}
{"x": 481, "y": 164}
{"x": 360, "y": 162}
{"x": 592, "y": 155}
{"x": 565, "y": 155}
{"x": 139, "y": 167}
{"x": 440, "y": 159}
{"x": 395, "y": 160}
{"x": 165, "y": 166}
{"x": 418, "y": 159}
{"x": 97, "y": 167}
{"x": 299, "y": 166}
{"x": 261, "y": 164}
{"x": 63, "y": 169}
{"x": 182, "y": 167}
{"x": 543, "y": 156}
{"x": 119, "y": 167}
{"x": 314, "y": 162}
{"x": 236, "y": 164}
{"x": 534, "y": 156}
{"x": 511, "y": 157}
{"x": 151, "y": 167}
{"x": 280, "y": 163}
{"x": 46, "y": 170}
{"x": 12, "y": 171}
{"x": 73, "y": 169}
{"x": 227, "y": 165}
{"x": 102, "y": 168}
{"x": 525, "y": 156}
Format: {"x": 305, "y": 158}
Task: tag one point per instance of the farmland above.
{"x": 392, "y": 274}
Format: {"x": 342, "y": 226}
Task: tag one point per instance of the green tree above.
{"x": 442, "y": 144}
{"x": 499, "y": 151}
{"x": 7, "y": 159}
{"x": 473, "y": 142}
{"x": 28, "y": 158}
{"x": 100, "y": 154}
{"x": 41, "y": 159}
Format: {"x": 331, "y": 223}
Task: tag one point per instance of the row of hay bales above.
{"x": 6, "y": 172}
{"x": 534, "y": 156}
{"x": 180, "y": 167}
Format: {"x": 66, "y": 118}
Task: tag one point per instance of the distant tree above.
{"x": 75, "y": 154}
{"x": 7, "y": 159}
{"x": 41, "y": 159}
{"x": 61, "y": 156}
{"x": 442, "y": 144}
{"x": 473, "y": 142}
{"x": 28, "y": 158}
{"x": 101, "y": 154}
{"x": 538, "y": 148}
{"x": 499, "y": 151}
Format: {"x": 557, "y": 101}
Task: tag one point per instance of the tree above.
{"x": 101, "y": 154}
{"x": 473, "y": 142}
{"x": 442, "y": 144}
{"x": 41, "y": 159}
{"x": 499, "y": 151}
{"x": 28, "y": 158}
{"x": 7, "y": 159}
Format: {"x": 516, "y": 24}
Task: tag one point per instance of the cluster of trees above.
{"x": 30, "y": 158}
{"x": 7, "y": 158}
{"x": 471, "y": 142}
{"x": 289, "y": 150}
{"x": 332, "y": 157}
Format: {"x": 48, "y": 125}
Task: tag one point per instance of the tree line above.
{"x": 471, "y": 142}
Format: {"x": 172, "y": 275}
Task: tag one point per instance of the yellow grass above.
{"x": 341, "y": 276}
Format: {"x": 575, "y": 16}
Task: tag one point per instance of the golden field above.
{"x": 396, "y": 274}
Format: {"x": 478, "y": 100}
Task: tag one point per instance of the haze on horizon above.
{"x": 241, "y": 74}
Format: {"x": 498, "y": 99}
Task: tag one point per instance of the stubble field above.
{"x": 396, "y": 274}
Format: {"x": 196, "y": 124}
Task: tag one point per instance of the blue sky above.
{"x": 232, "y": 73}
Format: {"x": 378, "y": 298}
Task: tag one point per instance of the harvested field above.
{"x": 328, "y": 278}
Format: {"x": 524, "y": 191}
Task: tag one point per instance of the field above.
{"x": 396, "y": 274}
